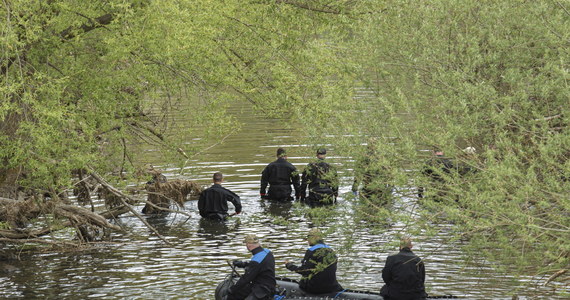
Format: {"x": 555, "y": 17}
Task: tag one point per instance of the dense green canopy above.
{"x": 86, "y": 82}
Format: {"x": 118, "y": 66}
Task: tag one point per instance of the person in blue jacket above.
{"x": 258, "y": 281}
{"x": 318, "y": 267}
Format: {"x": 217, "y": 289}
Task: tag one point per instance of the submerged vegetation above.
{"x": 86, "y": 83}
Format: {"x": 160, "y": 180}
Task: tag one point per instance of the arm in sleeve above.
{"x": 387, "y": 271}
{"x": 422, "y": 270}
{"x": 304, "y": 183}
{"x": 295, "y": 180}
{"x": 251, "y": 272}
{"x": 264, "y": 181}
{"x": 202, "y": 204}
{"x": 307, "y": 267}
{"x": 234, "y": 199}
{"x": 335, "y": 180}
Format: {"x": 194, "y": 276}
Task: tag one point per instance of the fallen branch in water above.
{"x": 122, "y": 197}
{"x": 555, "y": 275}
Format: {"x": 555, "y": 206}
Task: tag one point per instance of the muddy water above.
{"x": 138, "y": 265}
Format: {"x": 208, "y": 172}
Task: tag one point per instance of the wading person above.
{"x": 372, "y": 175}
{"x": 213, "y": 202}
{"x": 322, "y": 181}
{"x": 318, "y": 267}
{"x": 404, "y": 274}
{"x": 279, "y": 175}
{"x": 436, "y": 169}
{"x": 258, "y": 281}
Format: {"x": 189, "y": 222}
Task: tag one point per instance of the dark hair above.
{"x": 218, "y": 177}
{"x": 281, "y": 152}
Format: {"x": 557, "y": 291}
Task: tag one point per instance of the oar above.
{"x": 233, "y": 268}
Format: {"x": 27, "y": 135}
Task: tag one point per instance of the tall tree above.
{"x": 488, "y": 74}
{"x": 85, "y": 82}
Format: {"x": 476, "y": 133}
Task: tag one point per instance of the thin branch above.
{"x": 122, "y": 197}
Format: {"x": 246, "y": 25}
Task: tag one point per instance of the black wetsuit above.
{"x": 280, "y": 175}
{"x": 436, "y": 169}
{"x": 322, "y": 180}
{"x": 258, "y": 281}
{"x": 213, "y": 202}
{"x": 318, "y": 269}
{"x": 404, "y": 275}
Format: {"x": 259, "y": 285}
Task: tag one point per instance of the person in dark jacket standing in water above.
{"x": 213, "y": 202}
{"x": 322, "y": 180}
{"x": 436, "y": 169}
{"x": 404, "y": 274}
{"x": 258, "y": 281}
{"x": 280, "y": 175}
{"x": 318, "y": 267}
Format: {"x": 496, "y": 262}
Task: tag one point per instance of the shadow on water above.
{"x": 214, "y": 230}
{"x": 280, "y": 209}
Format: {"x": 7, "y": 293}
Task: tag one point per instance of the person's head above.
{"x": 314, "y": 236}
{"x": 281, "y": 153}
{"x": 251, "y": 242}
{"x": 321, "y": 152}
{"x": 218, "y": 177}
{"x": 406, "y": 242}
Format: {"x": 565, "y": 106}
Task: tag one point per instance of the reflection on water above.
{"x": 139, "y": 265}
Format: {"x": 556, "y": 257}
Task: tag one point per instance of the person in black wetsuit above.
{"x": 258, "y": 281}
{"x": 404, "y": 274}
{"x": 318, "y": 267}
{"x": 279, "y": 175}
{"x": 213, "y": 202}
{"x": 436, "y": 169}
{"x": 322, "y": 181}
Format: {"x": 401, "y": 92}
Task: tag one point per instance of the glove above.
{"x": 239, "y": 263}
{"x": 355, "y": 193}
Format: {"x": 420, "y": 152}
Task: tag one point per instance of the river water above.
{"x": 139, "y": 265}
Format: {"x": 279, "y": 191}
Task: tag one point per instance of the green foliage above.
{"x": 488, "y": 74}
{"x": 85, "y": 83}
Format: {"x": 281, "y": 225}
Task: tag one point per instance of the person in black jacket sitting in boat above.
{"x": 318, "y": 267}
{"x": 258, "y": 282}
{"x": 404, "y": 274}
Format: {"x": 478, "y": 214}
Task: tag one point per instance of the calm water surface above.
{"x": 138, "y": 265}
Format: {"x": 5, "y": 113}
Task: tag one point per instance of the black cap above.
{"x": 322, "y": 151}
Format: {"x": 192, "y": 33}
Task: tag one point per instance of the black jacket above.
{"x": 280, "y": 175}
{"x": 318, "y": 270}
{"x": 213, "y": 202}
{"x": 404, "y": 275}
{"x": 259, "y": 275}
{"x": 322, "y": 180}
{"x": 438, "y": 167}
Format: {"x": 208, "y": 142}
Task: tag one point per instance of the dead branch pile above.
{"x": 17, "y": 214}
{"x": 163, "y": 193}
